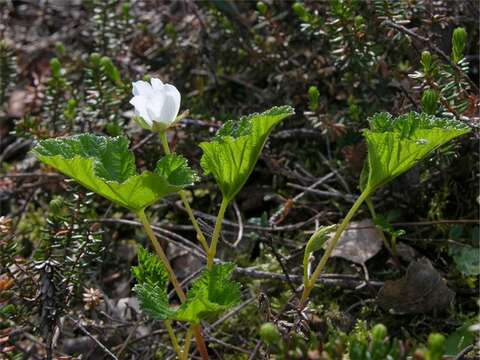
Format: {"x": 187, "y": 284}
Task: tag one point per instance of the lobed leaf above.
{"x": 152, "y": 284}
{"x": 154, "y": 301}
{"x": 210, "y": 295}
{"x": 150, "y": 269}
{"x": 396, "y": 144}
{"x": 231, "y": 155}
{"x": 106, "y": 166}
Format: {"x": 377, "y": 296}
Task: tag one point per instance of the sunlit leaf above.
{"x": 210, "y": 295}
{"x": 106, "y": 166}
{"x": 396, "y": 144}
{"x": 231, "y": 155}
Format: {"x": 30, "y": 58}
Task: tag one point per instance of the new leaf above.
{"x": 231, "y": 156}
{"x": 106, "y": 166}
{"x": 210, "y": 295}
{"x": 152, "y": 286}
{"x": 396, "y": 144}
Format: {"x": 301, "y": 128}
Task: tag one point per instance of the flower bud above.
{"x": 60, "y": 48}
{"x": 269, "y": 333}
{"x": 313, "y": 95}
{"x": 262, "y": 7}
{"x": 95, "y": 58}
{"x": 426, "y": 61}
{"x": 56, "y": 67}
{"x": 379, "y": 332}
{"x": 358, "y": 21}
{"x": 56, "y": 205}
{"x": 459, "y": 41}
{"x": 436, "y": 346}
{"x": 299, "y": 9}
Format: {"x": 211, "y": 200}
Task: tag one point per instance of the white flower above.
{"x": 156, "y": 103}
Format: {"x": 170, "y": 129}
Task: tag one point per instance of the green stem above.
{"x": 161, "y": 254}
{"x": 164, "y": 140}
{"x": 200, "y": 236}
{"x": 173, "y": 339}
{"x": 394, "y": 246}
{"x": 310, "y": 284}
{"x": 173, "y": 279}
{"x": 187, "y": 342}
{"x": 216, "y": 233}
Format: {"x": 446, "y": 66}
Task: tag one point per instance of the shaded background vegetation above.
{"x": 65, "y": 255}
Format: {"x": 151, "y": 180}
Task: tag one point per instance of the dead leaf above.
{"x": 355, "y": 155}
{"x": 360, "y": 242}
{"x": 406, "y": 252}
{"x": 421, "y": 290}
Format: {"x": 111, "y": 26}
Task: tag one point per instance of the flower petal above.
{"x": 171, "y": 104}
{"x": 141, "y": 88}
{"x": 157, "y": 84}
{"x": 140, "y": 104}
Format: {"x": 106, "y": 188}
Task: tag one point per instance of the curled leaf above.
{"x": 396, "y": 144}
{"x": 232, "y": 154}
{"x": 316, "y": 242}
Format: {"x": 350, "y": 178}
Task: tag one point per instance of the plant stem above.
{"x": 173, "y": 279}
{"x": 216, "y": 233}
{"x": 164, "y": 140}
{"x": 186, "y": 344}
{"x": 202, "y": 348}
{"x": 173, "y": 338}
{"x": 310, "y": 284}
{"x": 161, "y": 254}
{"x": 394, "y": 246}
{"x": 200, "y": 236}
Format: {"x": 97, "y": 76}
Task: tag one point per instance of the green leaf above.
{"x": 460, "y": 338}
{"x": 106, "y": 166}
{"x": 150, "y": 269}
{"x": 210, "y": 295}
{"x": 396, "y": 144}
{"x": 152, "y": 284}
{"x": 175, "y": 169}
{"x": 154, "y": 301}
{"x": 466, "y": 259}
{"x": 315, "y": 243}
{"x": 383, "y": 224}
{"x": 231, "y": 155}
